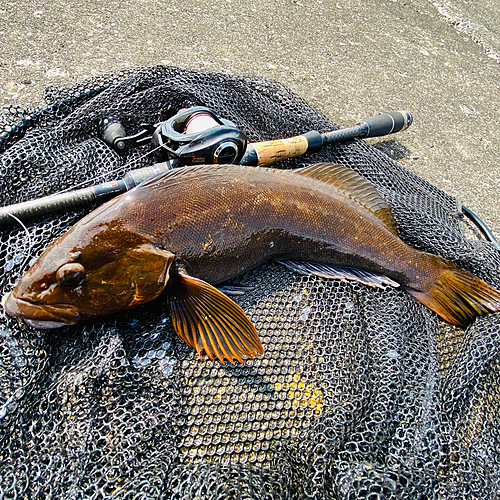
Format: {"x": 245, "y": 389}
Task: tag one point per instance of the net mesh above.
{"x": 361, "y": 393}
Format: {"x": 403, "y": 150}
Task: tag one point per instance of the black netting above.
{"x": 361, "y": 393}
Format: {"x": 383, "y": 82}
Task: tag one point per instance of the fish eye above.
{"x": 71, "y": 275}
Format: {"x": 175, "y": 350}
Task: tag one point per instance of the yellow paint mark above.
{"x": 302, "y": 394}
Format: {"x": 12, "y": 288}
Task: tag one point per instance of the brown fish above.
{"x": 194, "y": 227}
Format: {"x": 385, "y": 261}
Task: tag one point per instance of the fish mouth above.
{"x": 40, "y": 316}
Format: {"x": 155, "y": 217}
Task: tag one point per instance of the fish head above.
{"x": 89, "y": 272}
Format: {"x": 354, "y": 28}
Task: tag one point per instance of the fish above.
{"x": 183, "y": 233}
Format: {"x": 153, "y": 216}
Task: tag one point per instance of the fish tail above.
{"x": 458, "y": 296}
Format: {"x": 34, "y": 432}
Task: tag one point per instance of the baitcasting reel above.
{"x": 193, "y": 136}
{"x": 197, "y": 136}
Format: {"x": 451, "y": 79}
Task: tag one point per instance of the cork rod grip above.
{"x": 270, "y": 152}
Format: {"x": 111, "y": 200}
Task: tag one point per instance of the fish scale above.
{"x": 283, "y": 206}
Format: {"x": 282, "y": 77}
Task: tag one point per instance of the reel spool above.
{"x": 198, "y": 135}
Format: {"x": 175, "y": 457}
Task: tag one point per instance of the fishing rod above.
{"x": 196, "y": 135}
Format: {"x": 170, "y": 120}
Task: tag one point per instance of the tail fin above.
{"x": 458, "y": 296}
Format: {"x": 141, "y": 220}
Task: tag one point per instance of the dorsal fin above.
{"x": 355, "y": 187}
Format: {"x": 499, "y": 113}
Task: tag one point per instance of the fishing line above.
{"x": 30, "y": 241}
{"x": 102, "y": 176}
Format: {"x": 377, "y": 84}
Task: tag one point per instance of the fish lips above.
{"x": 40, "y": 316}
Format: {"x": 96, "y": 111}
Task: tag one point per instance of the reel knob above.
{"x": 112, "y": 133}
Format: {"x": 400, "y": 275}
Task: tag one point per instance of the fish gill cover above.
{"x": 361, "y": 392}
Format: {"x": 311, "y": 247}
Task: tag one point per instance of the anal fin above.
{"x": 330, "y": 271}
{"x": 209, "y": 321}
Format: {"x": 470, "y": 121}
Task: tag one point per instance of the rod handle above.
{"x": 269, "y": 152}
{"x": 265, "y": 153}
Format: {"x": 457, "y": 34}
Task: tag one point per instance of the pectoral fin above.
{"x": 207, "y": 320}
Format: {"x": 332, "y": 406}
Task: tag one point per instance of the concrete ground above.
{"x": 439, "y": 59}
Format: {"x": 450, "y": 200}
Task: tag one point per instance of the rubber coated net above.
{"x": 361, "y": 393}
